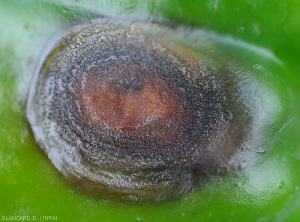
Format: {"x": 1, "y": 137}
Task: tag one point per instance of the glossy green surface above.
{"x": 267, "y": 191}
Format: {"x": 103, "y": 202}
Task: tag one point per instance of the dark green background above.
{"x": 31, "y": 186}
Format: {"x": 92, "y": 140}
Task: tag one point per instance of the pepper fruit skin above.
{"x": 271, "y": 24}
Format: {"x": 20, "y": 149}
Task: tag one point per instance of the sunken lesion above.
{"x": 135, "y": 116}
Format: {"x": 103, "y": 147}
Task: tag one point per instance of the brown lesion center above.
{"x": 133, "y": 100}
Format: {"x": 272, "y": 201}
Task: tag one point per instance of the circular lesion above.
{"x": 135, "y": 115}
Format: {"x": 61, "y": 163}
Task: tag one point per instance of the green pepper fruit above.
{"x": 265, "y": 37}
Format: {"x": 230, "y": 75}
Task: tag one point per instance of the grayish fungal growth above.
{"x": 127, "y": 111}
